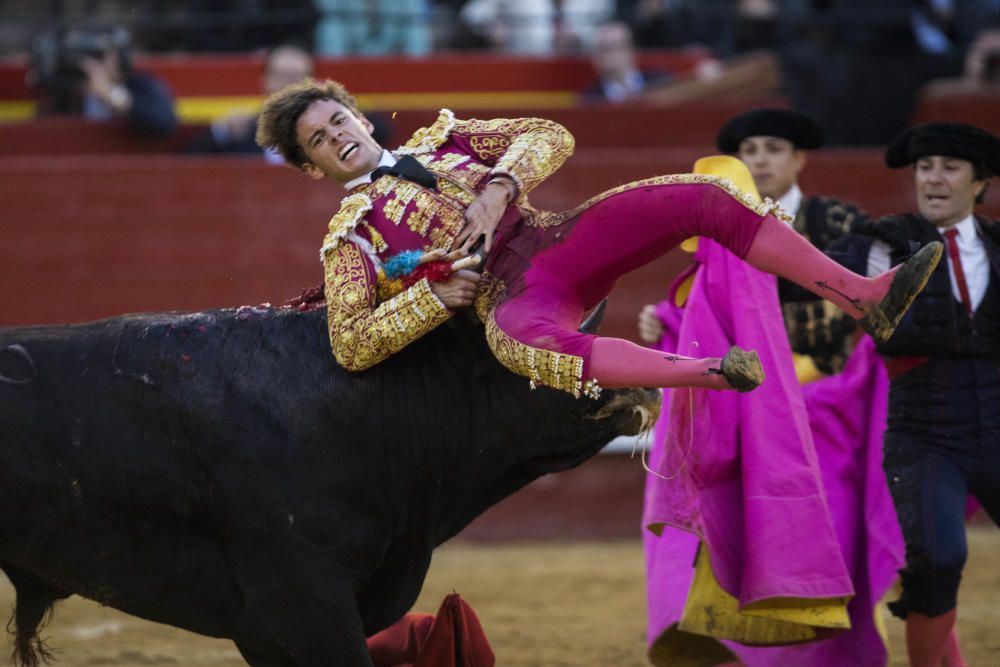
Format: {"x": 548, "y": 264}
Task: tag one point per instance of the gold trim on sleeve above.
{"x": 759, "y": 207}
{"x": 429, "y": 138}
{"x": 362, "y": 335}
{"x": 343, "y": 222}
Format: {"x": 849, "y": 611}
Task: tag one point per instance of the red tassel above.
{"x": 435, "y": 272}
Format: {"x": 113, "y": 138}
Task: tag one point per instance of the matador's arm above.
{"x": 363, "y": 333}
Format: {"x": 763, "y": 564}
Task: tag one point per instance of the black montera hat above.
{"x": 966, "y": 142}
{"x": 798, "y": 128}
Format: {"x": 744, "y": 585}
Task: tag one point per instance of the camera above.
{"x": 55, "y": 62}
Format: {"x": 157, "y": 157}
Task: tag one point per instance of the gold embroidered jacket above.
{"x": 381, "y": 219}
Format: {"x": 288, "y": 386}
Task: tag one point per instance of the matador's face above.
{"x": 337, "y": 144}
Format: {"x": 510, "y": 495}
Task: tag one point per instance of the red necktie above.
{"x": 956, "y": 265}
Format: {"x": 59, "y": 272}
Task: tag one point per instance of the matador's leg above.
{"x": 627, "y": 228}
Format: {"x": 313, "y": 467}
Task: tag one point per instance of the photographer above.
{"x": 88, "y": 72}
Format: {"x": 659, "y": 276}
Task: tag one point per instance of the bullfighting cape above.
{"x": 750, "y": 540}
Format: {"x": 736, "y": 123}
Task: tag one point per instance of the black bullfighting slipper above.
{"x": 880, "y": 322}
{"x": 742, "y": 369}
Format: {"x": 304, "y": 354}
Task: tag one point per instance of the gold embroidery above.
{"x": 528, "y": 150}
{"x": 447, "y": 162}
{"x": 406, "y": 191}
{"x": 490, "y": 146}
{"x": 419, "y": 220}
{"x": 775, "y": 209}
{"x": 393, "y": 210}
{"x": 449, "y": 188}
{"x": 343, "y": 222}
{"x": 544, "y": 219}
{"x": 377, "y": 240}
{"x": 361, "y": 334}
{"x": 541, "y": 367}
{"x": 427, "y": 139}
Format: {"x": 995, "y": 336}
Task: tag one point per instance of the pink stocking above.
{"x": 927, "y": 636}
{"x": 778, "y": 249}
{"x": 953, "y": 652}
{"x": 619, "y": 363}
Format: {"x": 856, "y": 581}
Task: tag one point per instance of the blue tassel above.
{"x": 402, "y": 264}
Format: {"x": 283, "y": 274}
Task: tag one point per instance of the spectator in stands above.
{"x": 284, "y": 65}
{"x": 846, "y": 51}
{"x": 614, "y": 60}
{"x": 982, "y": 69}
{"x": 982, "y": 63}
{"x": 88, "y": 72}
{"x": 373, "y": 27}
{"x": 537, "y": 27}
{"x": 726, "y": 27}
{"x": 234, "y": 133}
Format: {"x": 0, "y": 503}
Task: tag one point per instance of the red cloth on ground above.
{"x": 452, "y": 638}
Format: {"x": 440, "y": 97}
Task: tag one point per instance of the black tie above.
{"x": 408, "y": 167}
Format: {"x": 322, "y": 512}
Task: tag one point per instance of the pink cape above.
{"x": 783, "y": 484}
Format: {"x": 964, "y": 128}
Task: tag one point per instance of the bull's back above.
{"x": 118, "y": 439}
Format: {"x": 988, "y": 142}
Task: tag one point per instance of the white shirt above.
{"x": 387, "y": 160}
{"x": 971, "y": 252}
{"x": 618, "y": 91}
{"x": 791, "y": 200}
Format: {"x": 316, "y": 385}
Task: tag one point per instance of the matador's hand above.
{"x": 459, "y": 290}
{"x": 483, "y": 215}
{"x": 650, "y": 326}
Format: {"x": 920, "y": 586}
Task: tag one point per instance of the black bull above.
{"x": 219, "y": 472}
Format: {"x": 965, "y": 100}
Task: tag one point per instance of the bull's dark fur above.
{"x": 219, "y": 472}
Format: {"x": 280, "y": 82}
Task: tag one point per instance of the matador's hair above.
{"x": 281, "y": 111}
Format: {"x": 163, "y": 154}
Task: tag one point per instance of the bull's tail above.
{"x": 31, "y": 612}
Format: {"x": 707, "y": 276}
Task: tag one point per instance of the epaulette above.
{"x": 352, "y": 209}
{"x": 428, "y": 139}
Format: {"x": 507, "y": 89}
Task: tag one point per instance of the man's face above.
{"x": 337, "y": 144}
{"x": 286, "y": 66}
{"x": 946, "y": 189}
{"x": 613, "y": 54}
{"x": 774, "y": 163}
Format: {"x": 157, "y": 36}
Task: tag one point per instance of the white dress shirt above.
{"x": 387, "y": 160}
{"x": 791, "y": 200}
{"x": 971, "y": 252}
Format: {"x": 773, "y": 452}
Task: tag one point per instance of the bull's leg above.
{"x": 255, "y": 658}
{"x": 34, "y": 601}
{"x": 316, "y": 621}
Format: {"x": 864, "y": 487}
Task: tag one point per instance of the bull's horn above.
{"x": 593, "y": 321}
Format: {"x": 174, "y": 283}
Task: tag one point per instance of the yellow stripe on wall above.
{"x": 208, "y": 109}
{"x": 16, "y": 110}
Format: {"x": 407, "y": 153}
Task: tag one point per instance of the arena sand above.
{"x": 543, "y": 605}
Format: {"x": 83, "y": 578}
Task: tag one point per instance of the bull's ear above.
{"x": 312, "y": 171}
